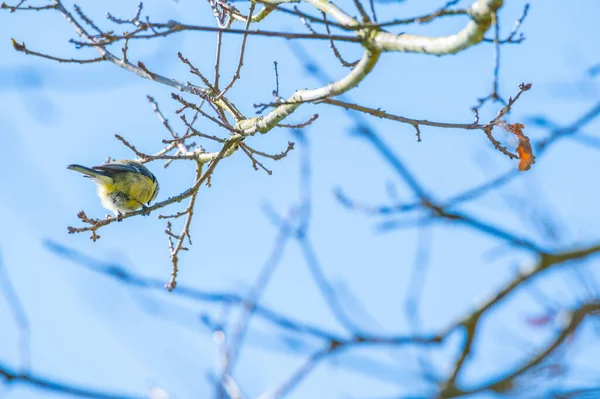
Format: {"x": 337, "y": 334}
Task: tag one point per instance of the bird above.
{"x": 123, "y": 186}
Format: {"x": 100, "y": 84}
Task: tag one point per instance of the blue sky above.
{"x": 87, "y": 329}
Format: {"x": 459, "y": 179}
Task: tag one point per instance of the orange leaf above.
{"x": 526, "y": 157}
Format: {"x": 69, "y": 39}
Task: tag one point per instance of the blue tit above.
{"x": 123, "y": 186}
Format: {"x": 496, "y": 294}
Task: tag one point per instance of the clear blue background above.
{"x": 90, "y": 330}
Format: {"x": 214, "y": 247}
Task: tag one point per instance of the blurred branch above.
{"x": 297, "y": 227}
{"x": 470, "y": 323}
{"x": 567, "y": 131}
{"x": 235, "y": 340}
{"x": 19, "y": 316}
{"x": 576, "y": 393}
{"x": 275, "y": 318}
{"x": 416, "y": 285}
{"x": 134, "y": 280}
{"x": 293, "y": 380}
{"x": 11, "y": 376}
{"x": 507, "y": 381}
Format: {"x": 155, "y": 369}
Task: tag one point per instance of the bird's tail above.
{"x": 95, "y": 175}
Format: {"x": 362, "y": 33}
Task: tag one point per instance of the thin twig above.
{"x": 443, "y": 11}
{"x": 372, "y": 5}
{"x": 174, "y": 250}
{"x": 22, "y": 48}
{"x": 236, "y": 75}
{"x": 276, "y": 91}
{"x": 87, "y": 20}
{"x": 217, "y": 75}
{"x": 334, "y": 48}
{"x": 18, "y": 7}
{"x": 255, "y": 163}
{"x": 300, "y": 125}
{"x": 275, "y": 157}
{"x": 511, "y": 37}
{"x": 361, "y": 10}
{"x": 173, "y": 27}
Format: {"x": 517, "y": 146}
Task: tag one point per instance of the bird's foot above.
{"x": 145, "y": 210}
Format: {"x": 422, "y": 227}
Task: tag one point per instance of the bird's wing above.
{"x": 131, "y": 167}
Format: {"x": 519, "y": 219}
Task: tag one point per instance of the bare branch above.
{"x": 236, "y": 75}
{"x": 300, "y": 125}
{"x": 275, "y": 157}
{"x": 334, "y": 48}
{"x": 443, "y": 11}
{"x": 255, "y": 163}
{"x": 361, "y": 10}
{"x": 18, "y": 7}
{"x": 172, "y": 27}
{"x": 22, "y": 48}
{"x": 174, "y": 250}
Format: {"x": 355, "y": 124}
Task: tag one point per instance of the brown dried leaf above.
{"x": 526, "y": 157}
